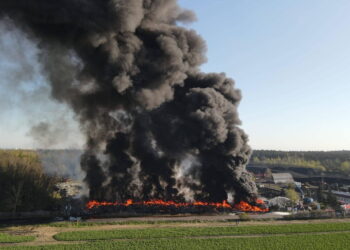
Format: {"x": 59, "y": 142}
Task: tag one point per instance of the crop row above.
{"x": 6, "y": 238}
{"x": 290, "y": 242}
{"x": 178, "y": 232}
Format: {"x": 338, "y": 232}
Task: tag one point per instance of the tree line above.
{"x": 323, "y": 161}
{"x": 23, "y": 184}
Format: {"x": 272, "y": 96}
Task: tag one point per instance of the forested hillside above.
{"x": 331, "y": 162}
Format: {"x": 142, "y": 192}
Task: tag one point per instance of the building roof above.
{"x": 342, "y": 194}
{"x": 282, "y": 178}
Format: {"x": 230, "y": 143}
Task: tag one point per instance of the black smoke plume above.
{"x": 156, "y": 127}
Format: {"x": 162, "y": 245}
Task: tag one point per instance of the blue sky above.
{"x": 290, "y": 58}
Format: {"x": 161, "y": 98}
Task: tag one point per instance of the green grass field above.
{"x": 6, "y": 238}
{"x": 178, "y": 232}
{"x": 291, "y": 242}
{"x": 309, "y": 236}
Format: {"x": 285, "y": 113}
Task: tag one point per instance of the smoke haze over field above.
{"x": 25, "y": 97}
{"x": 155, "y": 126}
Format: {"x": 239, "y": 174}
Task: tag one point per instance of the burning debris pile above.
{"x": 156, "y": 127}
{"x": 172, "y": 207}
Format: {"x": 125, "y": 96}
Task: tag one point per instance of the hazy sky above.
{"x": 290, "y": 58}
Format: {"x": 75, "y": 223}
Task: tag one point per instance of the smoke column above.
{"x": 156, "y": 127}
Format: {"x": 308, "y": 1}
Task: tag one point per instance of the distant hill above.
{"x": 316, "y": 162}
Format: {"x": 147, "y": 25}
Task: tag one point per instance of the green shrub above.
{"x": 23, "y": 184}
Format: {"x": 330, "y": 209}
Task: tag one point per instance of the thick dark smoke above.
{"x": 131, "y": 74}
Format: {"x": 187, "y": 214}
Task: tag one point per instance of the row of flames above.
{"x": 241, "y": 206}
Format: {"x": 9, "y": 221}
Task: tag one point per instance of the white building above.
{"x": 284, "y": 178}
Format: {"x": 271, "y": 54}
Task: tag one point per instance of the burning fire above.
{"x": 246, "y": 207}
{"x": 241, "y": 206}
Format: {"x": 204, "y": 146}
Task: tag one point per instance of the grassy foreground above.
{"x": 291, "y": 242}
{"x": 200, "y": 231}
{"x": 6, "y": 238}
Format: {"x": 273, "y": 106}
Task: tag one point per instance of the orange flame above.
{"x": 246, "y": 207}
{"x": 242, "y": 206}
